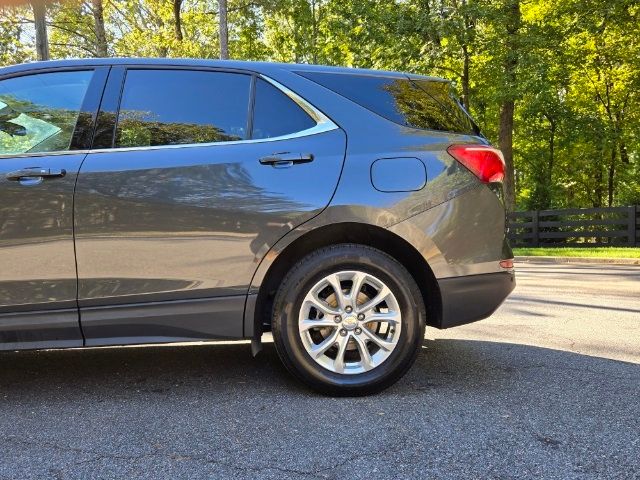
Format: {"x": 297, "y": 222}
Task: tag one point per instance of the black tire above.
{"x": 310, "y": 270}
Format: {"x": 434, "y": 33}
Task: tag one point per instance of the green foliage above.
{"x": 575, "y": 76}
{"x": 12, "y": 48}
{"x": 136, "y": 129}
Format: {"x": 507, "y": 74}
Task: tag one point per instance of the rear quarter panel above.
{"x": 456, "y": 222}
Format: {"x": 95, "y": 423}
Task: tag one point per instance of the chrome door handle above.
{"x": 286, "y": 159}
{"x": 35, "y": 172}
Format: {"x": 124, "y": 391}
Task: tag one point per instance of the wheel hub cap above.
{"x": 350, "y": 323}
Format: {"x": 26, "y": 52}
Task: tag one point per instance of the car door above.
{"x": 46, "y": 120}
{"x": 205, "y": 171}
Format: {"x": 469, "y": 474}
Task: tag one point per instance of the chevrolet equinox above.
{"x": 157, "y": 201}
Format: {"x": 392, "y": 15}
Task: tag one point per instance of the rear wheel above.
{"x": 348, "y": 320}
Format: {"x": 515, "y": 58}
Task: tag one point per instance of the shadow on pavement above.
{"x": 218, "y": 366}
{"x": 466, "y": 409}
{"x": 155, "y": 369}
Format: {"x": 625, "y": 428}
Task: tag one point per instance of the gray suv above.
{"x": 155, "y": 201}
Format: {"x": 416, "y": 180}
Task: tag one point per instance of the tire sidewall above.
{"x": 349, "y": 257}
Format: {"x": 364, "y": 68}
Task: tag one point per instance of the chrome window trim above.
{"x": 43, "y": 154}
{"x": 323, "y": 124}
{"x": 319, "y": 117}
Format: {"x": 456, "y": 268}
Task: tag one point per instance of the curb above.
{"x": 592, "y": 260}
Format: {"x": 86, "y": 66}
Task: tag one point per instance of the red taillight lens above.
{"x": 485, "y": 162}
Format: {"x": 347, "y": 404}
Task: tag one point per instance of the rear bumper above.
{"x": 474, "y": 297}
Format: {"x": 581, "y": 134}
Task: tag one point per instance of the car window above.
{"x": 425, "y": 104}
{"x": 38, "y": 112}
{"x": 275, "y": 114}
{"x": 173, "y": 107}
{"x": 442, "y": 94}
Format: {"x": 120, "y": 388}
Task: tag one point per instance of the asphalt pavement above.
{"x": 549, "y": 387}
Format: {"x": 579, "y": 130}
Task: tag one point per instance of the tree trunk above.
{"x": 177, "y": 20}
{"x": 465, "y": 77}
{"x": 598, "y": 191}
{"x": 552, "y": 148}
{"x": 224, "y": 30}
{"x": 466, "y": 57}
{"x": 505, "y": 141}
{"x": 314, "y": 33}
{"x": 507, "y": 109}
{"x": 102, "y": 48}
{"x": 40, "y": 23}
{"x": 612, "y": 174}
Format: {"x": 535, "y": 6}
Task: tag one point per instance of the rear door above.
{"x": 205, "y": 170}
{"x": 46, "y": 122}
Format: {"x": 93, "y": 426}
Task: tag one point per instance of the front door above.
{"x": 208, "y": 169}
{"x": 45, "y": 118}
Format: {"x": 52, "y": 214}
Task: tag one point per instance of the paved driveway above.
{"x": 548, "y": 387}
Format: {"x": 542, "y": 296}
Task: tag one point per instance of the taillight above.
{"x": 487, "y": 163}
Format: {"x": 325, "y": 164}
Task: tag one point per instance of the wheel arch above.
{"x": 346, "y": 232}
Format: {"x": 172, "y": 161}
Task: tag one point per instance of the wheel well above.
{"x": 364, "y": 234}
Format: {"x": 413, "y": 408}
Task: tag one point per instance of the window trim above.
{"x": 83, "y": 130}
{"x": 185, "y": 69}
{"x": 323, "y": 122}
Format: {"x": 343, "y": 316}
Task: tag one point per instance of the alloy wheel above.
{"x": 350, "y": 322}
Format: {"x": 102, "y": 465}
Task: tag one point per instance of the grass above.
{"x": 600, "y": 252}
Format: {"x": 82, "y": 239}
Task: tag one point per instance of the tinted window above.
{"x": 275, "y": 114}
{"x": 38, "y": 113}
{"x": 425, "y": 104}
{"x": 441, "y": 92}
{"x": 172, "y": 107}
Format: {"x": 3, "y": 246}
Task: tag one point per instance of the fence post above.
{"x": 631, "y": 235}
{"x": 534, "y": 228}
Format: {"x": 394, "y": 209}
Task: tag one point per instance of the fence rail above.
{"x": 576, "y": 227}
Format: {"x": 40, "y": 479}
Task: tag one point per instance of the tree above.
{"x": 224, "y": 29}
{"x": 507, "y": 108}
{"x": 12, "y": 50}
{"x": 78, "y": 29}
{"x": 40, "y": 22}
{"x": 554, "y": 83}
{"x": 102, "y": 49}
{"x": 177, "y": 19}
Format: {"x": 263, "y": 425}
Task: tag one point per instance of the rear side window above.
{"x": 425, "y": 104}
{"x": 38, "y": 113}
{"x": 275, "y": 114}
{"x": 173, "y": 107}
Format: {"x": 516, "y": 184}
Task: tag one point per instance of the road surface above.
{"x": 548, "y": 387}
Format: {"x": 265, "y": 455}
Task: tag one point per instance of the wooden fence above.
{"x": 576, "y": 227}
